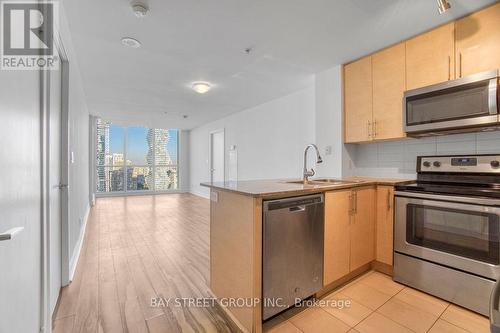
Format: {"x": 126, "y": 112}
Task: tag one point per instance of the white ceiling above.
{"x": 190, "y": 40}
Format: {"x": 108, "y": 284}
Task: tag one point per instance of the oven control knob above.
{"x": 495, "y": 164}
{"x": 427, "y": 164}
{"x": 437, "y": 164}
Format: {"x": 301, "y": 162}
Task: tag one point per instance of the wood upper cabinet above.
{"x": 362, "y": 231}
{"x": 388, "y": 68}
{"x": 358, "y": 100}
{"x": 478, "y": 42}
{"x": 337, "y": 241}
{"x": 384, "y": 225}
{"x": 430, "y": 57}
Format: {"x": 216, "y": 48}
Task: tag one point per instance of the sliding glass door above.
{"x": 135, "y": 159}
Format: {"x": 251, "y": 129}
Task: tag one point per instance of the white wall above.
{"x": 329, "y": 125}
{"x": 79, "y": 145}
{"x": 270, "y": 140}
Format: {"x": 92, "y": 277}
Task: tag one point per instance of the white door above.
{"x": 20, "y": 201}
{"x": 55, "y": 184}
{"x": 217, "y": 156}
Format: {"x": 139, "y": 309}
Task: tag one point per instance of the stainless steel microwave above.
{"x": 468, "y": 104}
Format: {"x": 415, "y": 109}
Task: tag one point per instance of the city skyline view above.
{"x": 135, "y": 158}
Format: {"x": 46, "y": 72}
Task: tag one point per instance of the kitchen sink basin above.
{"x": 324, "y": 181}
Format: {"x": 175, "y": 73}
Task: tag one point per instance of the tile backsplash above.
{"x": 398, "y": 158}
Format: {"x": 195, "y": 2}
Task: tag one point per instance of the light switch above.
{"x": 72, "y": 157}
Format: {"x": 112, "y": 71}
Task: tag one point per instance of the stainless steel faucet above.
{"x": 310, "y": 173}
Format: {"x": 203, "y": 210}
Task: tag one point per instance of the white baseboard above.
{"x": 199, "y": 193}
{"x": 78, "y": 248}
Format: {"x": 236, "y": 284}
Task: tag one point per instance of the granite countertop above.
{"x": 283, "y": 187}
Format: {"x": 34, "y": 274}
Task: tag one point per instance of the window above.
{"x": 132, "y": 159}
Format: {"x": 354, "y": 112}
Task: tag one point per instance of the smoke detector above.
{"x": 140, "y": 10}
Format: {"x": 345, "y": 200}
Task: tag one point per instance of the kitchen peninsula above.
{"x": 350, "y": 248}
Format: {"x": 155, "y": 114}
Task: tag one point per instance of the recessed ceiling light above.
{"x": 201, "y": 87}
{"x": 131, "y": 42}
{"x": 140, "y": 10}
{"x": 443, "y": 6}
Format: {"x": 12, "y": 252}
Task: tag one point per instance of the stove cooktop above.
{"x": 488, "y": 191}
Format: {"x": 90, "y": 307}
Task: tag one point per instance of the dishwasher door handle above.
{"x": 297, "y": 209}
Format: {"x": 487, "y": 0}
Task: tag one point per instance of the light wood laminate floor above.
{"x": 135, "y": 249}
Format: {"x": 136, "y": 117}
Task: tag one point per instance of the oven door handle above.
{"x": 449, "y": 198}
{"x": 494, "y": 308}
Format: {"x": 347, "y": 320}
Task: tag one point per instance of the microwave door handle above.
{"x": 492, "y": 96}
{"x": 494, "y": 308}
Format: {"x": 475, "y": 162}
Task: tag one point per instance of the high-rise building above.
{"x": 158, "y": 155}
{"x": 102, "y": 157}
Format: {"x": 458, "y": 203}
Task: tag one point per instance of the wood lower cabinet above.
{"x": 362, "y": 231}
{"x": 385, "y": 224}
{"x": 430, "y": 57}
{"x": 358, "y": 100}
{"x": 337, "y": 240}
{"x": 478, "y": 42}
{"x": 389, "y": 85}
{"x": 349, "y": 231}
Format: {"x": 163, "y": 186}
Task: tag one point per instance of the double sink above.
{"x": 324, "y": 181}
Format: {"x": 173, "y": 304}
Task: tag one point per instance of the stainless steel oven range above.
{"x": 447, "y": 229}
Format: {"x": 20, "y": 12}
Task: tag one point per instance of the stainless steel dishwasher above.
{"x": 292, "y": 251}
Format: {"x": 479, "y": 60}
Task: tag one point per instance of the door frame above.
{"x": 210, "y": 139}
{"x": 45, "y": 308}
{"x": 66, "y": 160}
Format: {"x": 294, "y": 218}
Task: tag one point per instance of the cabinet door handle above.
{"x": 351, "y": 205}
{"x": 355, "y": 202}
{"x": 388, "y": 200}
{"x": 375, "y": 129}
{"x": 460, "y": 64}
{"x": 369, "y": 128}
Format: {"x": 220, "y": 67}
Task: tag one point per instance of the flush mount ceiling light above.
{"x": 443, "y": 6}
{"x": 140, "y": 10}
{"x": 201, "y": 87}
{"x": 131, "y": 42}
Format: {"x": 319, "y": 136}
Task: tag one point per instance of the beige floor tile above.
{"x": 442, "y": 326}
{"x": 350, "y": 315}
{"x": 382, "y": 283}
{"x": 285, "y": 327}
{"x": 316, "y": 320}
{"x": 376, "y": 323}
{"x": 408, "y": 315}
{"x": 271, "y": 323}
{"x": 366, "y": 295}
{"x": 466, "y": 319}
{"x": 353, "y": 331}
{"x": 423, "y": 301}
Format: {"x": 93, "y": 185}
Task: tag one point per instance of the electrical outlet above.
{"x": 214, "y": 196}
{"x": 328, "y": 150}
